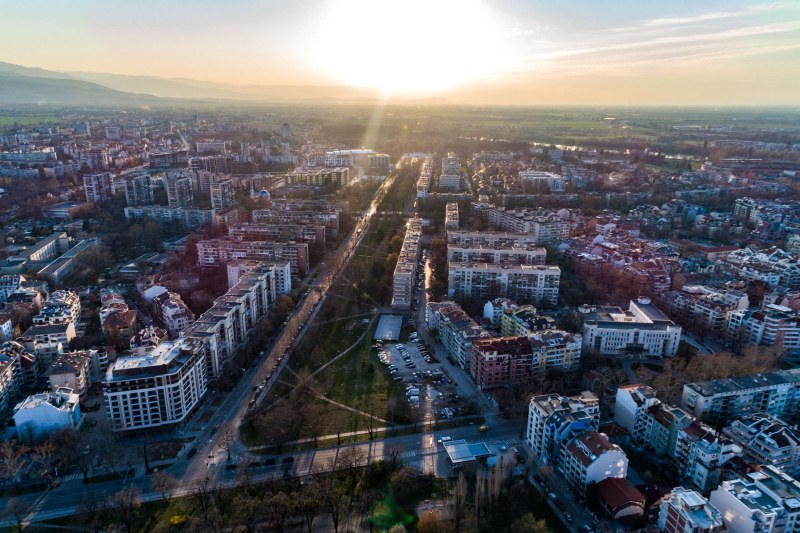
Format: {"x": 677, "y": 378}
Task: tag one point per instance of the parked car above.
{"x": 483, "y": 429}
{"x": 192, "y": 452}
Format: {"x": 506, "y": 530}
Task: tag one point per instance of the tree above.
{"x": 249, "y": 512}
{"x": 45, "y": 455}
{"x": 201, "y": 495}
{"x": 227, "y": 438}
{"x": 165, "y": 484}
{"x": 333, "y": 499}
{"x": 18, "y": 509}
{"x": 459, "y": 501}
{"x": 528, "y": 523}
{"x": 94, "y": 511}
{"x": 126, "y": 506}
{"x": 309, "y": 504}
{"x": 12, "y": 460}
{"x": 279, "y": 507}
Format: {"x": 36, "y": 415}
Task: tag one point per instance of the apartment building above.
{"x": 8, "y": 285}
{"x": 530, "y": 255}
{"x": 312, "y": 177}
{"x": 630, "y": 409}
{"x": 451, "y": 216}
{"x": 700, "y": 455}
{"x": 11, "y": 374}
{"x": 138, "y": 189}
{"x": 542, "y": 181}
{"x": 767, "y": 440}
{"x": 147, "y": 339}
{"x": 311, "y": 233}
{"x": 545, "y": 226}
{"x": 76, "y": 371}
{"x": 499, "y": 362}
{"x": 705, "y": 306}
{"x": 227, "y": 325}
{"x": 534, "y": 284}
{"x": 491, "y": 239}
{"x": 158, "y": 390}
{"x": 99, "y": 186}
{"x": 40, "y": 415}
{"x": 216, "y": 252}
{"x": 643, "y": 329}
{"x": 766, "y": 502}
{"x": 776, "y": 268}
{"x": 183, "y": 217}
{"x": 180, "y": 188}
{"x": 221, "y": 194}
{"x": 424, "y": 180}
{"x": 589, "y": 457}
{"x": 774, "y": 325}
{"x": 523, "y": 320}
{"x": 554, "y": 350}
{"x": 687, "y": 511}
{"x": 405, "y": 272}
{"x": 61, "y": 307}
{"x": 553, "y": 419}
{"x": 723, "y": 400}
{"x": 171, "y": 310}
{"x": 456, "y": 330}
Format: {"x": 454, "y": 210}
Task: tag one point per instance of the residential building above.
{"x": 222, "y": 194}
{"x": 6, "y": 326}
{"x": 61, "y": 307}
{"x": 50, "y": 340}
{"x": 542, "y": 181}
{"x": 451, "y": 216}
{"x": 138, "y": 190}
{"x": 534, "y": 284}
{"x": 768, "y": 498}
{"x": 497, "y": 254}
{"x": 686, "y": 511}
{"x": 246, "y": 231}
{"x": 546, "y": 227}
{"x": 620, "y": 498}
{"x": 170, "y": 309}
{"x": 227, "y": 325}
{"x": 705, "y": 306}
{"x": 216, "y": 252}
{"x": 8, "y": 285}
{"x": 455, "y": 329}
{"x": 767, "y": 440}
{"x": 76, "y": 371}
{"x": 589, "y": 457}
{"x": 405, "y": 272}
{"x": 147, "y": 339}
{"x": 424, "y": 180}
{"x": 491, "y": 239}
{"x": 774, "y": 325}
{"x": 700, "y": 455}
{"x": 494, "y": 310}
{"x": 99, "y": 186}
{"x": 11, "y": 374}
{"x": 553, "y": 419}
{"x": 311, "y": 177}
{"x": 524, "y": 320}
{"x": 723, "y": 400}
{"x": 554, "y": 350}
{"x": 182, "y": 217}
{"x": 630, "y": 409}
{"x": 41, "y": 415}
{"x": 158, "y": 390}
{"x": 180, "y": 190}
{"x": 643, "y": 329}
{"x": 500, "y": 362}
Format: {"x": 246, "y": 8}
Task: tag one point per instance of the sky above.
{"x": 703, "y": 52}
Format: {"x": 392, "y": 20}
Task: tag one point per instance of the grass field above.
{"x": 26, "y": 120}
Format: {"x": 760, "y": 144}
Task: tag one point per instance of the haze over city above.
{"x": 461, "y": 51}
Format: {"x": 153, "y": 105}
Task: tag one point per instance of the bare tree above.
{"x": 227, "y": 438}
{"x": 279, "y": 507}
{"x": 394, "y": 454}
{"x": 309, "y": 505}
{"x": 12, "y": 460}
{"x": 165, "y": 484}
{"x": 248, "y": 511}
{"x": 18, "y": 509}
{"x": 45, "y": 455}
{"x": 333, "y": 499}
{"x": 126, "y": 506}
{"x": 201, "y": 494}
{"x": 94, "y": 511}
{"x": 459, "y": 502}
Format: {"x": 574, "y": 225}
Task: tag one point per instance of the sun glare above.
{"x": 409, "y": 46}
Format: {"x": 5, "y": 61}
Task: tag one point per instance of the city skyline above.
{"x": 509, "y": 52}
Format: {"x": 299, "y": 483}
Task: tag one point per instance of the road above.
{"x": 210, "y": 458}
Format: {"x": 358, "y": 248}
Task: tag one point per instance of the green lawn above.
{"x": 26, "y": 120}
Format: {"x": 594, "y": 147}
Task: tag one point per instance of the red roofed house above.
{"x": 620, "y": 499}
{"x": 590, "y": 458}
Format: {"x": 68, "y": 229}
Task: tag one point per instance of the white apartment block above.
{"x": 227, "y": 325}
{"x": 643, "y": 329}
{"x": 451, "y": 164}
{"x": 543, "y": 180}
{"x": 222, "y": 194}
{"x": 554, "y": 350}
{"x": 138, "y": 190}
{"x": 184, "y": 217}
{"x": 61, "y": 307}
{"x": 532, "y": 255}
{"x": 450, "y": 182}
{"x": 491, "y": 239}
{"x": 456, "y": 330}
{"x": 686, "y": 511}
{"x": 763, "y": 502}
{"x": 180, "y": 189}
{"x": 723, "y": 400}
{"x": 553, "y": 419}
{"x": 589, "y": 457}
{"x": 216, "y": 252}
{"x": 9, "y": 284}
{"x": 534, "y": 284}
{"x": 158, "y": 390}
{"x": 11, "y": 376}
{"x": 405, "y": 272}
{"x": 451, "y": 216}
{"x": 424, "y": 180}
{"x": 545, "y": 226}
{"x": 774, "y": 325}
{"x": 76, "y": 371}
{"x": 767, "y": 440}
{"x": 630, "y": 409}
{"x": 170, "y": 308}
{"x": 700, "y": 455}
{"x": 38, "y": 416}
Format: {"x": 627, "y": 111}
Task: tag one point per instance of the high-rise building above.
{"x": 180, "y": 192}
{"x": 99, "y": 186}
{"x": 527, "y": 284}
{"x": 138, "y": 190}
{"x": 222, "y": 194}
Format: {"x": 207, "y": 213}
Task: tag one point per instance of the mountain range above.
{"x": 21, "y": 85}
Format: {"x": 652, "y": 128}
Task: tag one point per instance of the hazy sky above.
{"x": 501, "y": 51}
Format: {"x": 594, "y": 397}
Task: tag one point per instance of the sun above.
{"x": 408, "y": 46}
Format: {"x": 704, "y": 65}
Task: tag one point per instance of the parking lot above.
{"x": 428, "y": 386}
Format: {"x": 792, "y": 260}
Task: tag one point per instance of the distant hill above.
{"x": 17, "y": 89}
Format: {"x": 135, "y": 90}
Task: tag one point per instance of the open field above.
{"x": 26, "y": 120}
